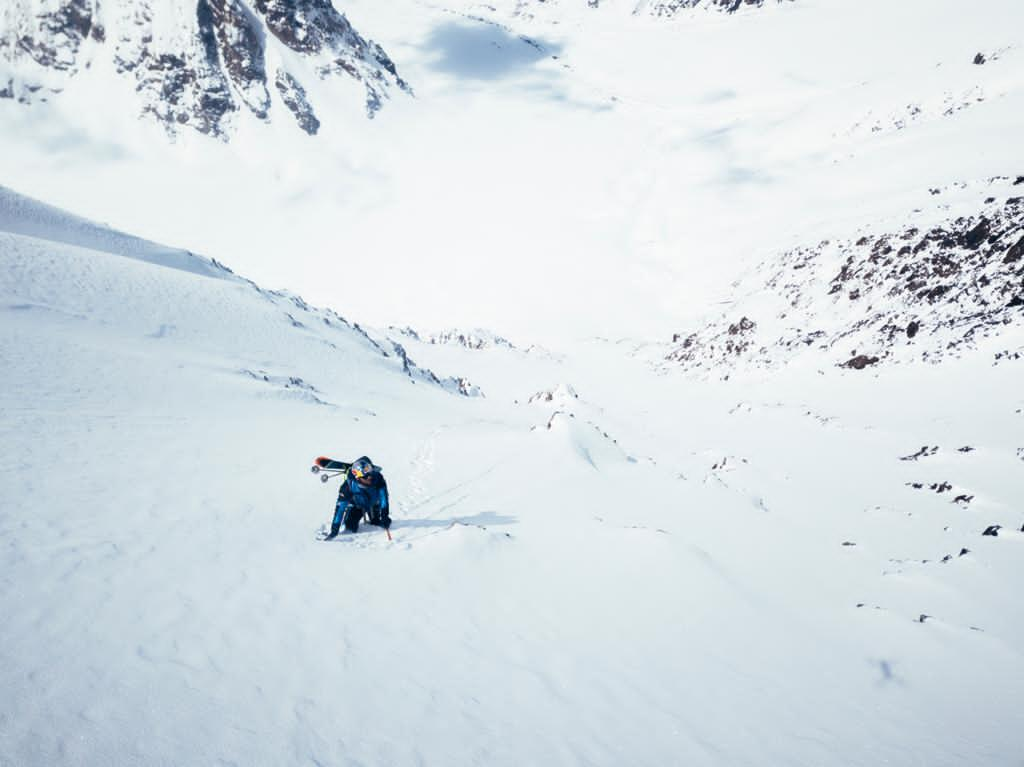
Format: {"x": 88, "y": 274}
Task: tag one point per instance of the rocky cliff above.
{"x": 194, "y": 63}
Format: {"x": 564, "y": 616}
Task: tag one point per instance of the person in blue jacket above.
{"x": 364, "y": 492}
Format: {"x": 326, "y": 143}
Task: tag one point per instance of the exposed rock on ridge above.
{"x": 195, "y": 63}
{"x": 911, "y": 294}
{"x": 668, "y": 8}
{"x": 659, "y": 8}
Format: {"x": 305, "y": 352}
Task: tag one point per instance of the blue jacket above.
{"x": 366, "y": 497}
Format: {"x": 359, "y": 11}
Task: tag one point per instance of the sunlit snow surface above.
{"x": 603, "y": 560}
{"x": 561, "y": 169}
{"x": 637, "y": 569}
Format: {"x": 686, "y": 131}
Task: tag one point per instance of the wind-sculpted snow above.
{"x": 234, "y": 307}
{"x": 804, "y": 555}
{"x": 925, "y": 292}
{"x": 194, "y": 64}
{"x": 577, "y": 576}
{"x": 590, "y": 444}
{"x": 25, "y": 216}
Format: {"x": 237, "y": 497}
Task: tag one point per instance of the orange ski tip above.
{"x": 321, "y": 460}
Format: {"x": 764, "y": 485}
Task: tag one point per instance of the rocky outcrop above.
{"x": 455, "y": 384}
{"x": 669, "y": 8}
{"x": 315, "y": 27}
{"x": 49, "y": 41}
{"x": 920, "y": 293}
{"x": 188, "y": 88}
{"x": 470, "y": 339}
{"x": 241, "y": 49}
{"x": 658, "y": 8}
{"x": 562, "y": 395}
{"x": 294, "y": 97}
{"x": 53, "y": 38}
{"x": 195, "y": 63}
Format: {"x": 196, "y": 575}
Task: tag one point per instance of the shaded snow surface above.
{"x": 656, "y": 571}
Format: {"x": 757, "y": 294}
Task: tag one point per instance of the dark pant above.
{"x": 347, "y": 514}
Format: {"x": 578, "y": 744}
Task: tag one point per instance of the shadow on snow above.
{"x": 484, "y": 51}
{"x": 482, "y": 519}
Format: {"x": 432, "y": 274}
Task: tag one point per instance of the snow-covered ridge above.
{"x": 25, "y": 216}
{"x": 924, "y": 292}
{"x": 561, "y": 395}
{"x": 657, "y": 8}
{"x": 194, "y": 64}
{"x": 670, "y": 8}
{"x": 457, "y": 384}
{"x": 75, "y": 265}
{"x": 180, "y": 524}
{"x": 476, "y": 338}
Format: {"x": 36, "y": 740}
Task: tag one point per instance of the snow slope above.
{"x": 641, "y": 568}
{"x": 23, "y": 216}
{"x": 562, "y": 169}
{"x": 624, "y": 549}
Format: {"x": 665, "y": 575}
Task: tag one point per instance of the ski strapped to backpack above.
{"x": 328, "y": 467}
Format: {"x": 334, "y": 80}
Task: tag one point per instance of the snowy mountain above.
{"x": 930, "y": 290}
{"x": 688, "y": 336}
{"x": 555, "y": 169}
{"x": 194, "y": 64}
{"x": 580, "y": 564}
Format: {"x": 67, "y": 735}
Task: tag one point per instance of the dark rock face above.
{"x": 294, "y": 96}
{"x": 745, "y": 325}
{"x": 924, "y": 452}
{"x": 860, "y": 362}
{"x": 315, "y": 27}
{"x": 187, "y": 88}
{"x": 58, "y": 35}
{"x": 978, "y": 234}
{"x": 240, "y": 44}
{"x": 200, "y": 70}
{"x": 1015, "y": 253}
{"x": 993, "y": 530}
